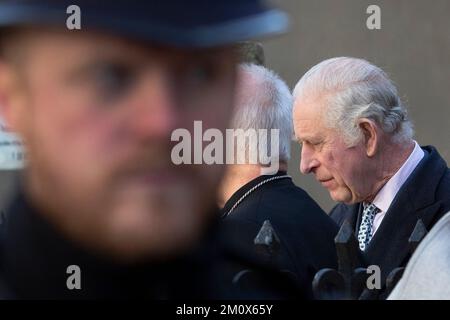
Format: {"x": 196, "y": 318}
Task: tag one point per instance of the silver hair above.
{"x": 354, "y": 89}
{"x": 264, "y": 101}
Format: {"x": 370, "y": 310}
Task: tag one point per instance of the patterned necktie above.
{"x": 366, "y": 228}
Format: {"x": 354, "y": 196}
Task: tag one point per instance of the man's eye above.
{"x": 113, "y": 81}
{"x": 199, "y": 74}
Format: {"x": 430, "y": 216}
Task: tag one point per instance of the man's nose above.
{"x": 307, "y": 161}
{"x": 155, "y": 107}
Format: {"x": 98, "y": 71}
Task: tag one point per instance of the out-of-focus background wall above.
{"x": 413, "y": 46}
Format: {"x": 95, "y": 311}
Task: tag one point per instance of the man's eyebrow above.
{"x": 308, "y": 138}
{"x": 303, "y": 138}
{"x": 87, "y": 67}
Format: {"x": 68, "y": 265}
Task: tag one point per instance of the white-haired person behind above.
{"x": 357, "y": 140}
{"x": 271, "y": 220}
{"x": 427, "y": 274}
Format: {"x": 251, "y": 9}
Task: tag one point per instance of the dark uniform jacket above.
{"x": 300, "y": 233}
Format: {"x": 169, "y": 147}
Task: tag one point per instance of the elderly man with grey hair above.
{"x": 357, "y": 140}
{"x": 272, "y": 221}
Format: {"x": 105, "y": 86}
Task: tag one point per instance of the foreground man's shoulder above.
{"x": 426, "y": 275}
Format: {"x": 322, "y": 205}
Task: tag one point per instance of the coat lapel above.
{"x": 389, "y": 247}
{"x": 354, "y": 217}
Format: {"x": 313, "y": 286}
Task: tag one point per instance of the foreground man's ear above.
{"x": 370, "y": 136}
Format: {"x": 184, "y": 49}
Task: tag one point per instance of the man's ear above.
{"x": 10, "y": 101}
{"x": 370, "y": 136}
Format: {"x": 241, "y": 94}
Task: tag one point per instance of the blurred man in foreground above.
{"x": 96, "y": 108}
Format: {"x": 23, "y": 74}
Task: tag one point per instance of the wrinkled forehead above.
{"x": 309, "y": 116}
{"x": 310, "y": 106}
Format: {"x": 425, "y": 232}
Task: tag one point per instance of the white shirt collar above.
{"x": 387, "y": 194}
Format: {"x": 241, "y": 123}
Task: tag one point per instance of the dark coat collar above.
{"x": 245, "y": 188}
